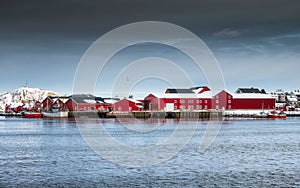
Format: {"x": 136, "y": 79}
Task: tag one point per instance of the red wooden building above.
{"x": 127, "y": 105}
{"x": 50, "y": 102}
{"x": 47, "y": 104}
{"x": 252, "y": 98}
{"x": 83, "y": 102}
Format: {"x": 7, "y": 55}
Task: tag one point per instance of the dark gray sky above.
{"x": 256, "y": 43}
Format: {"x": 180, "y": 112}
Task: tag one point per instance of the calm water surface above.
{"x": 246, "y": 153}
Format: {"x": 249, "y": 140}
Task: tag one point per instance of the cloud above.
{"x": 227, "y": 32}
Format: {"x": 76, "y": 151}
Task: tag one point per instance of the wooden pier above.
{"x": 147, "y": 114}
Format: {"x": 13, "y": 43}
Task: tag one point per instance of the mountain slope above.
{"x": 24, "y": 95}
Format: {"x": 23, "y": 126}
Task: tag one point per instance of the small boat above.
{"x": 261, "y": 115}
{"x": 32, "y": 115}
{"x": 59, "y": 114}
{"x": 273, "y": 114}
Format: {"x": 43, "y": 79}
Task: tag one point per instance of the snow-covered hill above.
{"x": 24, "y": 95}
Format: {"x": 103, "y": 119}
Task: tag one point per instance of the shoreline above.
{"x": 168, "y": 115}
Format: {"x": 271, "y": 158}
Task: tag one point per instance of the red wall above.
{"x": 253, "y": 104}
{"x": 189, "y": 103}
{"x": 46, "y": 102}
{"x": 153, "y": 101}
{"x": 72, "y": 106}
{"x": 184, "y": 103}
{"x": 220, "y": 101}
{"x": 87, "y": 107}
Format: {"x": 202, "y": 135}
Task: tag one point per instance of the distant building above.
{"x": 297, "y": 94}
{"x": 250, "y": 90}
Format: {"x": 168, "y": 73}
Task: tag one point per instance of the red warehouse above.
{"x": 201, "y": 98}
{"x": 127, "y": 105}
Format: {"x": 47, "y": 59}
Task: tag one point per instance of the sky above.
{"x": 256, "y": 43}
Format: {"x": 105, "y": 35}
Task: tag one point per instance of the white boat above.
{"x": 60, "y": 114}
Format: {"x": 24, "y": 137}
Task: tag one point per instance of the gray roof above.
{"x": 250, "y": 90}
{"x": 80, "y": 98}
{"x": 197, "y": 87}
{"x": 172, "y": 90}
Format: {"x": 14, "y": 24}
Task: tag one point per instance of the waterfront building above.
{"x": 128, "y": 105}
{"x": 202, "y": 98}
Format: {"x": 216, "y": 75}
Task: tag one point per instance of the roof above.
{"x": 111, "y": 100}
{"x": 86, "y": 98}
{"x": 200, "y": 89}
{"x": 251, "y": 96}
{"x": 55, "y": 98}
{"x": 132, "y": 100}
{"x": 180, "y": 95}
{"x": 205, "y": 95}
{"x": 250, "y": 90}
{"x": 173, "y": 90}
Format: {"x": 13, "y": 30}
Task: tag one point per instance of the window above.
{"x": 229, "y": 97}
{"x": 119, "y": 108}
{"x": 205, "y": 107}
{"x": 175, "y": 101}
{"x": 217, "y": 106}
{"x": 182, "y": 107}
{"x": 190, "y": 101}
{"x": 200, "y": 101}
{"x": 182, "y": 101}
{"x": 217, "y": 96}
{"x": 197, "y": 101}
{"x": 199, "y": 107}
{"x": 229, "y": 101}
{"x": 205, "y": 101}
{"x": 130, "y": 108}
{"x": 217, "y": 101}
{"x": 229, "y": 107}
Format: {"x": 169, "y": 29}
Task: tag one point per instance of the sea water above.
{"x": 245, "y": 153}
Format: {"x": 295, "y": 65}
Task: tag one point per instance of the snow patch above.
{"x": 24, "y": 96}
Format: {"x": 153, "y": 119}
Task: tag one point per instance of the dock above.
{"x": 168, "y": 115}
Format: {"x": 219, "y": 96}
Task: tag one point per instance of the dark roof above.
{"x": 197, "y": 87}
{"x": 59, "y": 97}
{"x": 179, "y": 91}
{"x": 250, "y": 90}
{"x": 80, "y": 98}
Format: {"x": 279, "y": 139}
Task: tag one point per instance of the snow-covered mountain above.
{"x": 24, "y": 95}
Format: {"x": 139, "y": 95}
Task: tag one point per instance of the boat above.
{"x": 32, "y": 115}
{"x": 56, "y": 112}
{"x": 261, "y": 114}
{"x": 274, "y": 114}
{"x": 59, "y": 114}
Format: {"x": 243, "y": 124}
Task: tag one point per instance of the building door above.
{"x": 150, "y": 106}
